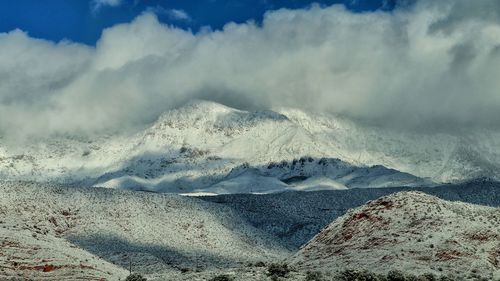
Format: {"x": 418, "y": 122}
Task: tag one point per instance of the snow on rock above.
{"x": 52, "y": 232}
{"x": 195, "y": 147}
{"x": 412, "y": 232}
{"x": 60, "y": 233}
{"x": 247, "y": 182}
{"x": 29, "y": 253}
{"x": 319, "y": 183}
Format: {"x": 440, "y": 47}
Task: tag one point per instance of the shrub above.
{"x": 448, "y": 278}
{"x": 396, "y": 275}
{"x": 314, "y": 276}
{"x": 429, "y": 277}
{"x": 222, "y": 277}
{"x": 260, "y": 264}
{"x": 357, "y": 275}
{"x": 411, "y": 277}
{"x": 278, "y": 270}
{"x": 135, "y": 277}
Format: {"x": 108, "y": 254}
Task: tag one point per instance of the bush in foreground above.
{"x": 276, "y": 270}
{"x": 359, "y": 275}
{"x": 222, "y": 277}
{"x": 135, "y": 277}
{"x": 314, "y": 276}
{"x": 396, "y": 275}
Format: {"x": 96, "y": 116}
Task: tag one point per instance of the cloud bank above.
{"x": 428, "y": 65}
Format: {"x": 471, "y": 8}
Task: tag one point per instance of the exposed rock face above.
{"x": 410, "y": 231}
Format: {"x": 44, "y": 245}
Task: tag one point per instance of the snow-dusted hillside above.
{"x": 413, "y": 232}
{"x": 294, "y": 218}
{"x": 61, "y": 233}
{"x": 205, "y": 147}
{"x": 85, "y": 234}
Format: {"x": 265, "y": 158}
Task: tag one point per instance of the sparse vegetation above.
{"x": 358, "y": 275}
{"x": 429, "y": 277}
{"x": 222, "y": 277}
{"x": 448, "y": 278}
{"x": 276, "y": 271}
{"x": 364, "y": 275}
{"x": 314, "y": 276}
{"x": 135, "y": 277}
{"x": 260, "y": 264}
{"x": 396, "y": 275}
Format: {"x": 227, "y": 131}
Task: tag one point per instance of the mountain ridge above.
{"x": 207, "y": 140}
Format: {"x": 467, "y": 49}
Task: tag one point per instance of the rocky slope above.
{"x": 409, "y": 231}
{"x": 50, "y": 232}
{"x": 60, "y": 233}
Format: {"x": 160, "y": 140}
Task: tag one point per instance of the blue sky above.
{"x": 81, "y": 21}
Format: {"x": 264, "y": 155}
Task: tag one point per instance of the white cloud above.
{"x": 173, "y": 14}
{"x": 98, "y": 4}
{"x": 179, "y": 15}
{"x": 431, "y": 65}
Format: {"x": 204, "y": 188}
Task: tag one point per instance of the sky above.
{"x": 79, "y": 67}
{"x": 83, "y": 20}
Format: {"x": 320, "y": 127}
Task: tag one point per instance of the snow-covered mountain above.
{"x": 413, "y": 232}
{"x": 205, "y": 147}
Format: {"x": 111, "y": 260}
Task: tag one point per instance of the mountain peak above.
{"x": 198, "y": 108}
{"x": 209, "y": 115}
{"x": 206, "y": 105}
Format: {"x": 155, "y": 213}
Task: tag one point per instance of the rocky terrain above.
{"x": 413, "y": 232}
{"x": 60, "y": 233}
{"x": 52, "y": 232}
